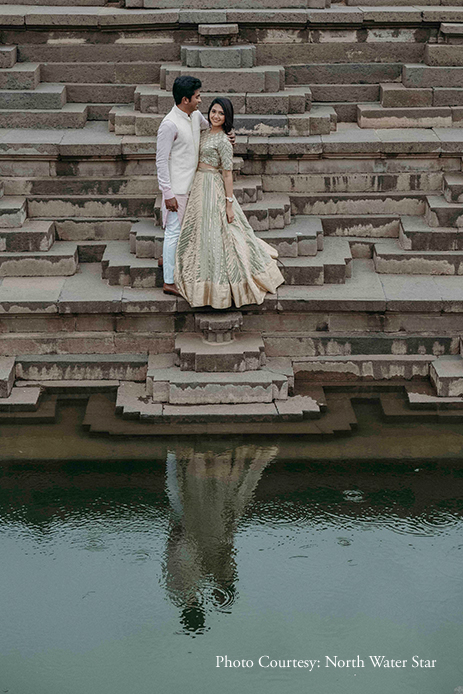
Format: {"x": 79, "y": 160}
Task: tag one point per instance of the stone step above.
{"x": 45, "y": 96}
{"x": 248, "y": 189}
{"x": 369, "y": 226}
{"x": 453, "y": 187}
{"x": 44, "y": 414}
{"x": 332, "y": 265}
{"x": 7, "y": 376}
{"x": 345, "y": 93}
{"x": 80, "y": 185}
{"x": 71, "y": 387}
{"x": 178, "y": 387}
{"x": 383, "y": 203}
{"x": 421, "y": 117}
{"x": 447, "y": 96}
{"x": 322, "y": 120}
{"x": 342, "y": 73}
{"x": 245, "y": 352}
{"x": 225, "y": 57}
{"x": 123, "y": 50}
{"x": 451, "y": 33}
{"x": 446, "y": 374}
{"x": 416, "y": 234}
{"x": 443, "y": 55}
{"x": 50, "y": 206}
{"x": 20, "y": 76}
{"x": 421, "y": 396}
{"x": 368, "y": 367}
{"x": 33, "y": 235}
{"x": 257, "y": 79}
{"x": 69, "y": 116}
{"x": 273, "y": 211}
{"x": 440, "y": 213}
{"x": 121, "y": 268}
{"x": 132, "y": 403}
{"x": 21, "y": 399}
{"x": 152, "y": 99}
{"x": 109, "y": 94}
{"x": 399, "y": 96}
{"x": 93, "y": 228}
{"x": 61, "y": 259}
{"x": 101, "y": 72}
{"x": 78, "y": 367}
{"x": 8, "y": 56}
{"x": 12, "y": 211}
{"x": 418, "y": 76}
{"x": 390, "y": 258}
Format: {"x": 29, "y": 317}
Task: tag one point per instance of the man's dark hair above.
{"x": 227, "y": 108}
{"x": 185, "y": 86}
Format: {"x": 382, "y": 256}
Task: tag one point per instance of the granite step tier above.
{"x": 60, "y": 3}
{"x": 81, "y": 186}
{"x": 443, "y": 55}
{"x": 132, "y": 403}
{"x": 367, "y": 225}
{"x": 226, "y": 57}
{"x": 45, "y": 97}
{"x": 378, "y": 117}
{"x": 423, "y": 396}
{"x": 245, "y": 352}
{"x": 363, "y": 367}
{"x": 54, "y": 206}
{"x": 332, "y": 265}
{"x": 363, "y": 203}
{"x": 109, "y": 94}
{"x": 416, "y": 234}
{"x": 302, "y": 237}
{"x": 60, "y": 260}
{"x": 447, "y": 376}
{"x": 152, "y": 99}
{"x": 21, "y": 399}
{"x": 418, "y": 76}
{"x": 390, "y": 258}
{"x": 453, "y": 187}
{"x": 33, "y": 235}
{"x": 20, "y": 76}
{"x": 399, "y": 96}
{"x": 449, "y": 33}
{"x": 441, "y": 213}
{"x": 342, "y": 74}
{"x": 7, "y": 376}
{"x": 8, "y": 56}
{"x": 344, "y": 93}
{"x": 320, "y": 120}
{"x": 13, "y": 211}
{"x": 255, "y": 79}
{"x": 81, "y": 367}
{"x": 68, "y": 116}
{"x": 100, "y": 72}
{"x": 176, "y": 387}
{"x": 45, "y": 413}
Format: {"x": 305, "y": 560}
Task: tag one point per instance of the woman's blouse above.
{"x": 215, "y": 149}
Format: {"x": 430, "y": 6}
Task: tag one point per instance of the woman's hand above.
{"x": 229, "y": 211}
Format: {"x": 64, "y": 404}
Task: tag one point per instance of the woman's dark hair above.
{"x": 227, "y": 108}
{"x": 185, "y": 86}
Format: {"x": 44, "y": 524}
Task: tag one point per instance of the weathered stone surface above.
{"x": 122, "y": 367}
{"x": 45, "y": 96}
{"x": 86, "y": 293}
{"x": 7, "y": 376}
{"x": 391, "y": 259}
{"x": 20, "y": 76}
{"x": 60, "y": 259}
{"x": 8, "y": 56}
{"x": 418, "y": 76}
{"x": 243, "y": 353}
{"x": 447, "y": 376}
{"x": 363, "y": 367}
{"x": 343, "y": 73}
{"x": 218, "y": 57}
{"x": 398, "y": 96}
{"x": 419, "y": 117}
{"x": 21, "y": 400}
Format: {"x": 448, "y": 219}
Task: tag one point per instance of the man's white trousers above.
{"x": 171, "y": 234}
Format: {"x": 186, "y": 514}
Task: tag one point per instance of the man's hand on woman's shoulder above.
{"x": 232, "y": 137}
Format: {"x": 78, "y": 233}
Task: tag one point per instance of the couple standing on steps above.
{"x": 211, "y": 255}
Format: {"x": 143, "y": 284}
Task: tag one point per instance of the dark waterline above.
{"x": 125, "y": 573}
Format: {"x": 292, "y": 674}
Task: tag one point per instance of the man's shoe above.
{"x": 170, "y": 289}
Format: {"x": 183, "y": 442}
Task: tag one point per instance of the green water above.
{"x": 125, "y": 573}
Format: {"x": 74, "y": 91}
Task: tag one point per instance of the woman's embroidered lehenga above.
{"x": 217, "y": 262}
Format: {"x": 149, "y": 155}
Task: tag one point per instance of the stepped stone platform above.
{"x": 348, "y": 160}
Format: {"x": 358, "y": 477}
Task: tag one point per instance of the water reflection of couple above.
{"x": 211, "y": 255}
{"x": 209, "y": 493}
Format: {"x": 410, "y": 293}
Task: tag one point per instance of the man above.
{"x": 177, "y": 161}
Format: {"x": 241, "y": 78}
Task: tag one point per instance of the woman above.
{"x": 219, "y": 259}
